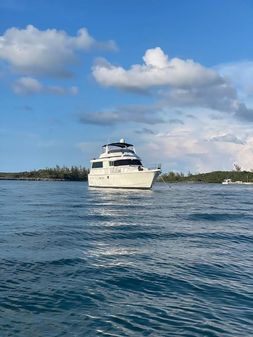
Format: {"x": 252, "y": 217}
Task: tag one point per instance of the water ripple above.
{"x": 175, "y": 261}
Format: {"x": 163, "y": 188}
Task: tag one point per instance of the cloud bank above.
{"x": 196, "y": 148}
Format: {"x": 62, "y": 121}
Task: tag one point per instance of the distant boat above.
{"x": 238, "y": 182}
{"x": 120, "y": 167}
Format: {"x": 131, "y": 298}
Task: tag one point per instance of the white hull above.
{"x": 237, "y": 183}
{"x": 132, "y": 179}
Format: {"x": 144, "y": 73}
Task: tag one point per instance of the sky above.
{"x": 174, "y": 78}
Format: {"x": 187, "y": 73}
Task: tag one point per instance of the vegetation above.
{"x": 74, "y": 173}
{"x": 211, "y": 177}
{"x": 78, "y": 173}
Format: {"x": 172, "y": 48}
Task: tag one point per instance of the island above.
{"x": 79, "y": 173}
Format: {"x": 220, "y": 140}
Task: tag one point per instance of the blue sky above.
{"x": 173, "y": 77}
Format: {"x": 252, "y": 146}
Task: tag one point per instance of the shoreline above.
{"x": 37, "y": 179}
{"x": 81, "y": 174}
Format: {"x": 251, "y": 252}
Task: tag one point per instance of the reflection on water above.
{"x": 104, "y": 206}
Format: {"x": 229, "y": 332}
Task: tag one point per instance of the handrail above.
{"x": 155, "y": 167}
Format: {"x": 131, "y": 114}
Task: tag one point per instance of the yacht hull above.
{"x": 132, "y": 180}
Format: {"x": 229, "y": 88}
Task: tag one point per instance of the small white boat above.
{"x": 120, "y": 167}
{"x": 238, "y": 182}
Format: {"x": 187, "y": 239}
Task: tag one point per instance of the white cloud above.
{"x": 50, "y": 52}
{"x": 240, "y": 74}
{"x": 187, "y": 147}
{"x": 221, "y": 97}
{"x": 61, "y": 90}
{"x": 29, "y": 85}
{"x": 244, "y": 157}
{"x": 157, "y": 70}
{"x": 227, "y": 138}
{"x": 176, "y": 82}
{"x": 191, "y": 139}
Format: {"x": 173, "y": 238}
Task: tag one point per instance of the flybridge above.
{"x": 119, "y": 144}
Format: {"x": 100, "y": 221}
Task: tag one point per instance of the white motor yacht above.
{"x": 119, "y": 167}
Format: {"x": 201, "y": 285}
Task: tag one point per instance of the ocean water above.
{"x": 174, "y": 261}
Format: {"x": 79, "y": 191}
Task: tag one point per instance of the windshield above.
{"x": 123, "y": 162}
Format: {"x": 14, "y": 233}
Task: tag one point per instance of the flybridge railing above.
{"x": 155, "y": 166}
{"x": 121, "y": 150}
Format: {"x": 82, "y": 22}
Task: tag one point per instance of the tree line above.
{"x": 210, "y": 177}
{"x": 79, "y": 173}
{"x": 73, "y": 173}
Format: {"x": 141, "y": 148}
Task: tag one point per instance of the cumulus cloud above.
{"x": 29, "y": 85}
{"x": 50, "y": 52}
{"x": 177, "y": 83}
{"x": 157, "y": 70}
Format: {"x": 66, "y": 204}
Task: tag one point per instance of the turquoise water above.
{"x": 175, "y": 261}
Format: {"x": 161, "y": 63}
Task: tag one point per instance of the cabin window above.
{"x": 120, "y": 150}
{"x": 97, "y": 164}
{"x": 123, "y": 162}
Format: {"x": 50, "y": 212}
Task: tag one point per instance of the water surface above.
{"x": 175, "y": 261}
